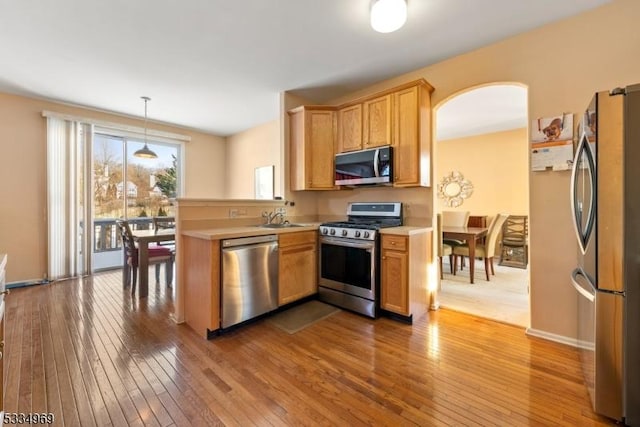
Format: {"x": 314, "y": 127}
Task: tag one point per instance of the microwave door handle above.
{"x": 376, "y": 161}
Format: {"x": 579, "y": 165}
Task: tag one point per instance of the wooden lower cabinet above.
{"x": 201, "y": 284}
{"x": 297, "y": 266}
{"x": 403, "y": 273}
{"x": 3, "y": 292}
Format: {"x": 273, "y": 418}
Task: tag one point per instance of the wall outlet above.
{"x": 233, "y": 213}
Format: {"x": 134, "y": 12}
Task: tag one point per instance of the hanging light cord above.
{"x": 146, "y": 99}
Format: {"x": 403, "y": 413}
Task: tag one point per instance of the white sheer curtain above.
{"x": 68, "y": 198}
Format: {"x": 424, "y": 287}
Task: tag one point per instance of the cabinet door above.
{"x": 350, "y": 128}
{"x": 297, "y": 272}
{"x": 311, "y": 149}
{"x": 3, "y": 292}
{"x": 394, "y": 285}
{"x": 407, "y": 138}
{"x": 320, "y": 161}
{"x": 2, "y": 357}
{"x": 296, "y": 150}
{"x": 201, "y": 284}
{"x": 377, "y": 121}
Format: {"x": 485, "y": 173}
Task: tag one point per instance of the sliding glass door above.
{"x": 126, "y": 186}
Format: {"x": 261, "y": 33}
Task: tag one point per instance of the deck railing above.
{"x": 106, "y": 236}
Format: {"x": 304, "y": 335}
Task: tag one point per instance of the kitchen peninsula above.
{"x": 404, "y": 292}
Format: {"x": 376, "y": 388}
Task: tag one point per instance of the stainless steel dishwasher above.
{"x": 249, "y": 278}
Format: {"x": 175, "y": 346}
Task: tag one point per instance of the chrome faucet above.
{"x": 270, "y": 217}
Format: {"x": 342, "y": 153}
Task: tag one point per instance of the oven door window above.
{"x": 347, "y": 265}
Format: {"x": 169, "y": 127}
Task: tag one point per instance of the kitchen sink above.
{"x": 283, "y": 225}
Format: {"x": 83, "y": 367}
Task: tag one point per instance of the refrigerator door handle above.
{"x": 582, "y": 291}
{"x": 583, "y": 231}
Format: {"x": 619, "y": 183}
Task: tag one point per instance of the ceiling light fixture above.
{"x": 144, "y": 152}
{"x": 388, "y": 15}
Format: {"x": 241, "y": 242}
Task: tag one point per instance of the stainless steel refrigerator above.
{"x": 605, "y": 199}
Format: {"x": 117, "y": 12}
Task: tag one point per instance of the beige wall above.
{"x": 23, "y": 231}
{"x": 253, "y": 148}
{"x": 597, "y": 54}
{"x": 497, "y": 164}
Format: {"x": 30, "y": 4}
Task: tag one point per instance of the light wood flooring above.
{"x": 91, "y": 354}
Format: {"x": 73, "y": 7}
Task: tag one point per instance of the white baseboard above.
{"x": 573, "y": 342}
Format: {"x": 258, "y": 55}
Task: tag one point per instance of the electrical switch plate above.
{"x": 283, "y": 211}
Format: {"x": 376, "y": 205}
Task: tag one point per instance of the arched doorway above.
{"x": 481, "y": 137}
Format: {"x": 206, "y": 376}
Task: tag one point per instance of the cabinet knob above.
{"x": 384, "y": 257}
{"x": 393, "y": 243}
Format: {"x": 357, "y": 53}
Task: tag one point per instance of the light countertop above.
{"x": 254, "y": 230}
{"x": 246, "y": 231}
{"x": 405, "y": 230}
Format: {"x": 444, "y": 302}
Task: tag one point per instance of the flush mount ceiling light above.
{"x": 388, "y": 15}
{"x": 144, "y": 152}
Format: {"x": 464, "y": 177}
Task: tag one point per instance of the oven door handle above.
{"x": 342, "y": 242}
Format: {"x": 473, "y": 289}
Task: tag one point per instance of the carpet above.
{"x": 505, "y": 298}
{"x": 299, "y": 317}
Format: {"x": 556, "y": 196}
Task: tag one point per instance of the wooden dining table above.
{"x": 471, "y": 235}
{"x": 143, "y": 238}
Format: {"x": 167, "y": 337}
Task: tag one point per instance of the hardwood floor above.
{"x": 91, "y": 354}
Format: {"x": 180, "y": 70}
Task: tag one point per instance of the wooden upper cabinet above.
{"x": 412, "y": 136}
{"x": 312, "y": 149}
{"x": 400, "y": 117}
{"x": 350, "y": 128}
{"x": 377, "y": 117}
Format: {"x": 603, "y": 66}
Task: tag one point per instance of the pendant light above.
{"x": 145, "y": 152}
{"x": 388, "y": 16}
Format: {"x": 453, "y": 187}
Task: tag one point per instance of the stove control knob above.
{"x": 357, "y": 234}
{"x": 344, "y": 232}
{"x": 325, "y": 230}
{"x": 366, "y": 234}
{"x": 332, "y": 232}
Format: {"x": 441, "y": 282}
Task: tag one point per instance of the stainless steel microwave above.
{"x": 365, "y": 167}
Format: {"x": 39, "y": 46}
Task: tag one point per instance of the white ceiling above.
{"x": 483, "y": 110}
{"x": 219, "y": 65}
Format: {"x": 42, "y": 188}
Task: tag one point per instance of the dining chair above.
{"x": 455, "y": 219}
{"x": 164, "y": 223}
{"x": 443, "y": 249}
{"x": 486, "y": 250}
{"x": 515, "y": 232}
{"x": 157, "y": 255}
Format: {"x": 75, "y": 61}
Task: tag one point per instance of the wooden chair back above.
{"x": 128, "y": 243}
{"x": 515, "y": 230}
{"x": 163, "y": 222}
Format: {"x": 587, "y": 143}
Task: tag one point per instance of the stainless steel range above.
{"x": 349, "y": 256}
